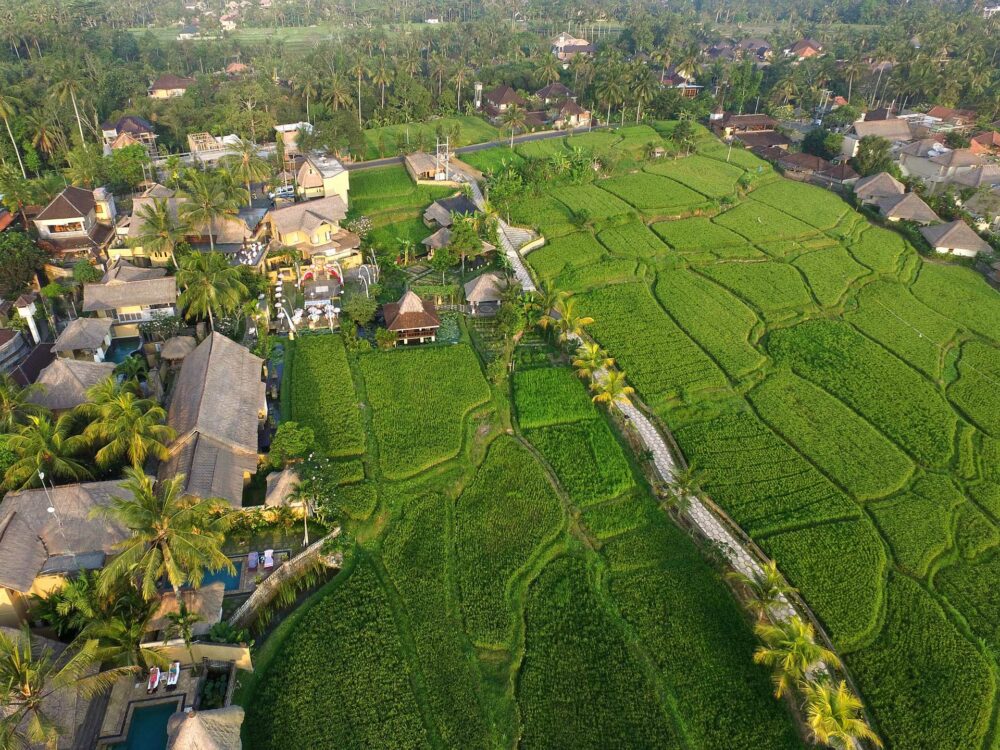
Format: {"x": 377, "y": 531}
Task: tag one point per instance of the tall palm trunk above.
{"x": 360, "y": 124}
{"x": 17, "y": 151}
{"x": 76, "y": 111}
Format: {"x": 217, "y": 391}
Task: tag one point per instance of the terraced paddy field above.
{"x": 840, "y": 392}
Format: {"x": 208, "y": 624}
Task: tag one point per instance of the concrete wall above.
{"x": 175, "y": 650}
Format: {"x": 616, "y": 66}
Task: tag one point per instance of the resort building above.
{"x": 484, "y": 293}
{"x": 64, "y": 383}
{"x": 40, "y": 548}
{"x": 956, "y": 238}
{"x": 908, "y": 207}
{"x": 85, "y": 338}
{"x": 130, "y": 130}
{"x": 216, "y": 408}
{"x": 130, "y": 295}
{"x": 414, "y": 320}
{"x": 77, "y": 224}
{"x": 565, "y": 46}
{"x": 322, "y": 177}
{"x": 440, "y": 212}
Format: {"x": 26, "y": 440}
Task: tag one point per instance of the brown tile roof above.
{"x": 763, "y": 139}
{"x": 881, "y": 185}
{"x": 130, "y": 124}
{"x": 410, "y": 313}
{"x": 801, "y": 162}
{"x": 570, "y": 107}
{"x": 33, "y": 540}
{"x": 65, "y": 382}
{"x": 955, "y": 235}
{"x": 503, "y": 94}
{"x": 947, "y": 113}
{"x": 71, "y": 203}
{"x": 840, "y": 172}
{"x": 731, "y": 120}
{"x": 988, "y": 138}
{"x": 123, "y": 291}
{"x": 554, "y": 90}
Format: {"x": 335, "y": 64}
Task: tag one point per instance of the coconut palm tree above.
{"x": 48, "y": 447}
{"x": 161, "y": 230}
{"x": 359, "y": 69}
{"x": 121, "y": 638}
{"x": 611, "y": 88}
{"x": 246, "y": 164}
{"x": 132, "y": 369}
{"x": 182, "y": 624}
{"x": 514, "y": 117}
{"x": 15, "y": 406}
{"x": 547, "y": 301}
{"x": 789, "y": 648}
{"x": 338, "y": 92}
{"x": 612, "y": 390}
{"x": 767, "y": 587}
{"x": 834, "y": 715}
{"x": 307, "y": 85}
{"x": 460, "y": 76}
{"x": 548, "y": 68}
{"x": 171, "y": 535}
{"x": 643, "y": 87}
{"x": 67, "y": 85}
{"x": 677, "y": 493}
{"x": 591, "y": 359}
{"x": 437, "y": 67}
{"x": 205, "y": 203}
{"x": 129, "y": 427}
{"x": 570, "y": 323}
{"x": 31, "y": 674}
{"x": 8, "y": 108}
{"x": 382, "y": 77}
{"x": 210, "y": 285}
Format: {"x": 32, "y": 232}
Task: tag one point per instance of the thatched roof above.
{"x": 206, "y": 602}
{"x": 893, "y": 129}
{"x": 420, "y": 162}
{"x": 280, "y": 485}
{"x": 215, "y": 410}
{"x": 485, "y": 288}
{"x": 178, "y": 347}
{"x": 955, "y": 235}
{"x": 441, "y": 211}
{"x": 217, "y": 729}
{"x": 122, "y": 270}
{"x": 960, "y": 157}
{"x": 881, "y": 185}
{"x": 83, "y": 333}
{"x": 32, "y": 540}
{"x": 65, "y": 382}
{"x": 139, "y": 293}
{"x": 909, "y": 207}
{"x": 410, "y": 313}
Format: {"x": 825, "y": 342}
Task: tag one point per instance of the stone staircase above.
{"x": 519, "y": 237}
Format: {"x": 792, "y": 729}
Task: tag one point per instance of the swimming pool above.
{"x": 231, "y": 580}
{"x": 122, "y": 348}
{"x": 148, "y": 729}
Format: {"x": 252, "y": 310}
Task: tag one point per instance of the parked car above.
{"x": 285, "y": 191}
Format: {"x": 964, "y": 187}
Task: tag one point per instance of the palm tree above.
{"x": 834, "y": 715}
{"x": 8, "y": 108}
{"x": 66, "y": 86}
{"x": 548, "y": 68}
{"x": 15, "y": 406}
{"x": 306, "y": 84}
{"x": 789, "y": 648}
{"x": 680, "y": 489}
{"x": 46, "y": 135}
{"x": 132, "y": 369}
{"x": 437, "y": 67}
{"x": 161, "y": 230}
{"x": 611, "y": 88}
{"x": 210, "y": 285}
{"x": 130, "y": 427}
{"x": 48, "y": 447}
{"x": 643, "y": 88}
{"x": 581, "y": 68}
{"x": 338, "y": 93}
{"x": 547, "y": 301}
{"x": 182, "y": 624}
{"x": 206, "y": 202}
{"x": 460, "y": 76}
{"x": 246, "y": 164}
{"x": 853, "y": 69}
{"x": 570, "y": 323}
{"x": 514, "y": 118}
{"x": 31, "y": 674}
{"x": 170, "y": 535}
{"x": 382, "y": 77}
{"x": 590, "y": 360}
{"x": 767, "y": 587}
{"x": 359, "y": 68}
{"x": 612, "y": 390}
{"x": 121, "y": 640}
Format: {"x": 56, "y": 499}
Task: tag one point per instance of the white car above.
{"x": 285, "y": 191}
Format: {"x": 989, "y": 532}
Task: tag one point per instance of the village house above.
{"x": 956, "y": 238}
{"x": 802, "y": 163}
{"x": 839, "y": 174}
{"x": 875, "y": 187}
{"x": 682, "y": 82}
{"x": 313, "y": 228}
{"x": 958, "y": 119}
{"x": 987, "y": 142}
{"x": 413, "y": 320}
{"x": 565, "y": 46}
{"x": 423, "y": 166}
{"x": 499, "y": 100}
{"x": 983, "y": 176}
{"x": 130, "y": 295}
{"x": 554, "y": 93}
{"x": 722, "y": 51}
{"x": 235, "y": 69}
{"x": 130, "y": 130}
{"x": 759, "y": 50}
{"x": 85, "y": 338}
{"x": 729, "y": 124}
{"x": 323, "y": 177}
{"x": 937, "y": 164}
{"x": 571, "y": 115}
{"x": 440, "y": 212}
{"x": 804, "y": 49}
{"x": 40, "y": 549}
{"x": 169, "y": 86}
{"x": 216, "y": 408}
{"x": 442, "y": 237}
{"x": 289, "y": 135}
{"x": 77, "y": 224}
{"x": 64, "y": 383}
{"x": 895, "y": 130}
{"x": 908, "y": 207}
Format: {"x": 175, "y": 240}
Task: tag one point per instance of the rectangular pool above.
{"x": 231, "y": 580}
{"x": 148, "y": 728}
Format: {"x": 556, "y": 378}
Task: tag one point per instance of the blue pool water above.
{"x": 121, "y": 348}
{"x": 231, "y": 580}
{"x": 148, "y": 730}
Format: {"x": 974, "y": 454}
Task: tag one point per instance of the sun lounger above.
{"x": 173, "y": 675}
{"x": 268, "y": 559}
{"x": 252, "y": 559}
{"x": 154, "y": 681}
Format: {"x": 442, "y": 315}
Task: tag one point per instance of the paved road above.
{"x": 525, "y": 138}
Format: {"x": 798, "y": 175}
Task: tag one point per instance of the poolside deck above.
{"x": 130, "y": 693}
